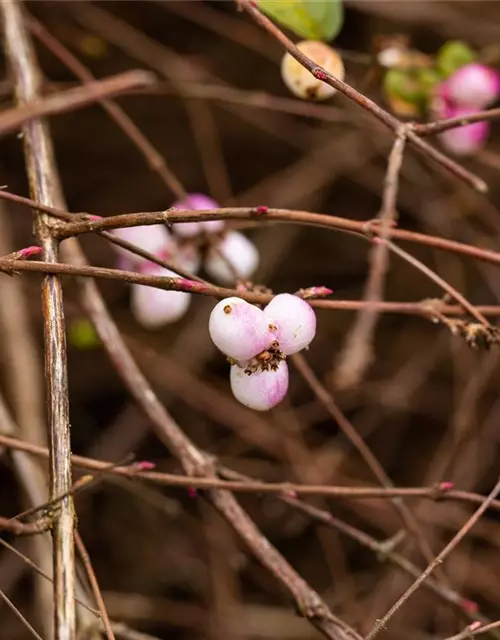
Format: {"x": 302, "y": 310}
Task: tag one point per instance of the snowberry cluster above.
{"x": 257, "y": 341}
{"x": 468, "y": 90}
{"x": 226, "y": 255}
{"x": 301, "y": 82}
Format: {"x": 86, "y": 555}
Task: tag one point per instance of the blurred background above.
{"x": 427, "y": 407}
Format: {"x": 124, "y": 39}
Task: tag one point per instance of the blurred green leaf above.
{"x": 82, "y": 335}
{"x": 453, "y": 55}
{"x": 311, "y": 19}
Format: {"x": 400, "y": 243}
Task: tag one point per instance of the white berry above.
{"x": 294, "y": 320}
{"x": 153, "y": 308}
{"x": 239, "y": 329}
{"x": 154, "y": 239}
{"x": 234, "y": 250}
{"x": 261, "y": 390}
{"x": 301, "y": 82}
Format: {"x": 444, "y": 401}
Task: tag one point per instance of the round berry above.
{"x": 301, "y": 82}
{"x": 239, "y": 329}
{"x": 154, "y": 239}
{"x": 466, "y": 140}
{"x": 198, "y": 202}
{"x": 233, "y": 258}
{"x": 293, "y": 320}
{"x": 473, "y": 85}
{"x": 153, "y": 308}
{"x": 260, "y": 390}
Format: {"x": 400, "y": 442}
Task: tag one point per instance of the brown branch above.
{"x": 440, "y": 491}
{"x": 357, "y": 353}
{"x": 71, "y": 99}
{"x": 392, "y": 123}
{"x": 41, "y": 525}
{"x": 87, "y": 564}
{"x": 438, "y": 126}
{"x": 430, "y": 309}
{"x": 438, "y": 560}
{"x": 262, "y": 214}
{"x": 44, "y": 187}
{"x": 474, "y": 630}
{"x": 19, "y": 615}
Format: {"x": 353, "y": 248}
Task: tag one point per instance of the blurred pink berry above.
{"x": 152, "y": 238}
{"x": 199, "y": 202}
{"x": 187, "y": 258}
{"x": 260, "y": 390}
{"x": 295, "y": 322}
{"x": 234, "y": 250}
{"x": 473, "y": 85}
{"x": 153, "y": 308}
{"x": 239, "y": 329}
{"x": 466, "y": 140}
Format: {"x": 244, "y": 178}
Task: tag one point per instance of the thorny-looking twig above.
{"x": 43, "y": 185}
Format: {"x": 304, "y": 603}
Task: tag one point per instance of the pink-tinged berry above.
{"x": 187, "y": 258}
{"x": 154, "y": 308}
{"x": 154, "y": 239}
{"x": 307, "y": 85}
{"x": 473, "y": 85}
{"x": 239, "y": 329}
{"x": 294, "y": 321}
{"x": 466, "y": 140}
{"x": 197, "y": 202}
{"x": 234, "y": 257}
{"x": 260, "y": 390}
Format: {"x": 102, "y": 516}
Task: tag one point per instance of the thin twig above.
{"x": 430, "y": 128}
{"x": 39, "y": 158}
{"x": 440, "y": 491}
{"x": 438, "y": 560}
{"x": 262, "y": 214}
{"x": 87, "y": 564}
{"x": 19, "y": 615}
{"x": 357, "y": 353}
{"x": 71, "y": 99}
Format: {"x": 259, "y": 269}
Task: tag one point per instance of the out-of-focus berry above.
{"x": 234, "y": 257}
{"x": 473, "y": 85}
{"x": 466, "y": 140}
{"x": 301, "y": 82}
{"x": 154, "y": 239}
{"x": 198, "y": 202}
{"x": 153, "y": 308}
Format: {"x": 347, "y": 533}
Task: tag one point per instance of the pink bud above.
{"x": 473, "y": 85}
{"x": 261, "y": 390}
{"x": 294, "y": 321}
{"x": 470, "y": 605}
{"x": 239, "y": 329}
{"x": 27, "y": 252}
{"x": 153, "y": 308}
{"x": 466, "y": 140}
{"x": 446, "y": 486}
{"x": 145, "y": 465}
{"x": 192, "y": 492}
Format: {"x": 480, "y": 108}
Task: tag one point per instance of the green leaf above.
{"x": 82, "y": 335}
{"x": 453, "y": 55}
{"x": 311, "y": 19}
